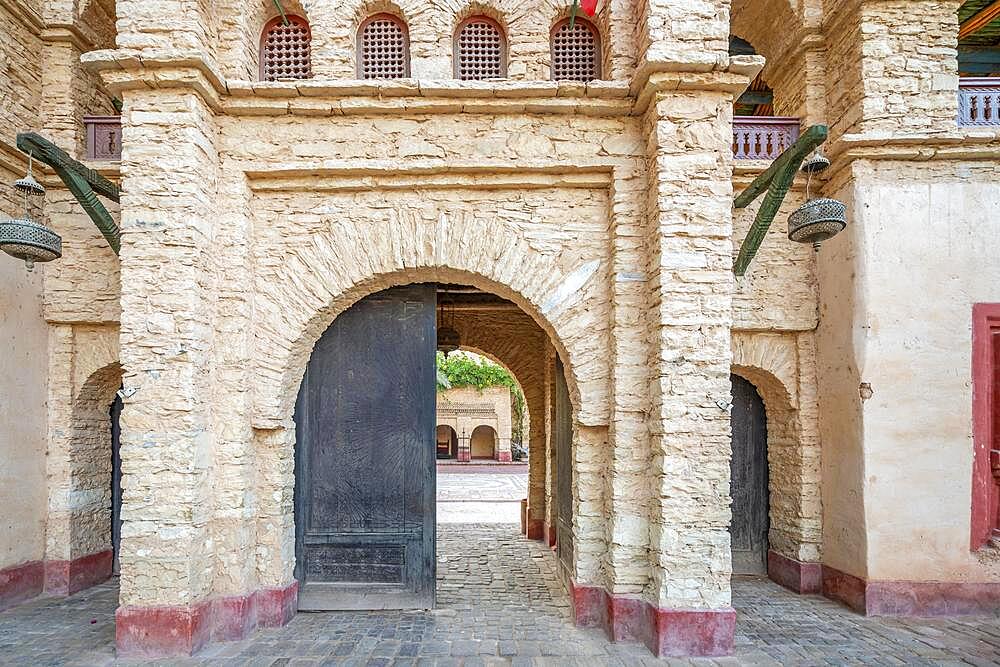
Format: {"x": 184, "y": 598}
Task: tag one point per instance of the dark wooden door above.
{"x": 365, "y": 458}
{"x": 116, "y": 481}
{"x": 563, "y": 429}
{"x": 749, "y": 486}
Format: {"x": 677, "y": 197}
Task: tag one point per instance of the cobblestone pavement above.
{"x": 499, "y": 602}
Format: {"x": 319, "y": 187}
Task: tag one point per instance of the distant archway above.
{"x": 447, "y": 442}
{"x": 484, "y": 442}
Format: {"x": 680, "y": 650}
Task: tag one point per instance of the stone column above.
{"x": 690, "y": 318}
{"x": 534, "y": 398}
{"x": 167, "y": 346}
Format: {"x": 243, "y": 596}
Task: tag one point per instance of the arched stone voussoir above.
{"x": 296, "y": 300}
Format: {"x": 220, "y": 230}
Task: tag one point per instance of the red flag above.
{"x": 589, "y": 7}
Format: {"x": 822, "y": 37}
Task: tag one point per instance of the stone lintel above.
{"x": 971, "y": 144}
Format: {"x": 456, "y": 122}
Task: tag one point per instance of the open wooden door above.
{"x": 365, "y": 457}
{"x": 116, "y": 480}
{"x": 749, "y": 485}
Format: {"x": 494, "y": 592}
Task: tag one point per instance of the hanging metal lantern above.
{"x": 816, "y": 221}
{"x": 30, "y": 241}
{"x": 816, "y": 163}
{"x": 27, "y": 239}
{"x": 448, "y": 340}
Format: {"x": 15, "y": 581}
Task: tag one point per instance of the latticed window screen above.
{"x": 383, "y": 48}
{"x": 284, "y": 50}
{"x": 576, "y": 52}
{"x": 480, "y": 50}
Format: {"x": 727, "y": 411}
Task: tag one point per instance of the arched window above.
{"x": 383, "y": 48}
{"x": 576, "y": 51}
{"x": 284, "y": 49}
{"x": 480, "y": 50}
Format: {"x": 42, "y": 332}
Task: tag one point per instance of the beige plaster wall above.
{"x": 23, "y": 372}
{"x": 897, "y": 295}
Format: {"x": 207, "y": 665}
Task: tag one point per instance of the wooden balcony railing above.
{"x": 763, "y": 137}
{"x": 979, "y": 102}
{"x": 104, "y": 137}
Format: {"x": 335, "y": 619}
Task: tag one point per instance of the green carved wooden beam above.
{"x": 281, "y": 10}
{"x": 84, "y": 183}
{"x": 776, "y": 181}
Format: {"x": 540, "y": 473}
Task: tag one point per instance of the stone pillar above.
{"x": 534, "y": 398}
{"x": 690, "y": 318}
{"x": 168, "y": 434}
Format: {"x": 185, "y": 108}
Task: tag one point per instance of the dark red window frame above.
{"x": 985, "y": 423}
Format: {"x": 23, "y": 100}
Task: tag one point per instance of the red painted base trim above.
{"x": 666, "y": 632}
{"x": 66, "y": 577}
{"x": 21, "y": 583}
{"x": 844, "y": 588}
{"x": 549, "y": 533}
{"x": 536, "y": 529}
{"x": 150, "y": 632}
{"x": 911, "y": 598}
{"x": 796, "y": 575}
{"x": 503, "y": 457}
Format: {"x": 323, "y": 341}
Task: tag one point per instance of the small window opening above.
{"x": 285, "y": 49}
{"x": 480, "y": 50}
{"x": 576, "y": 51}
{"x": 383, "y": 48}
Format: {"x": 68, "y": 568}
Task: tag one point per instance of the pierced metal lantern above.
{"x": 816, "y": 221}
{"x": 28, "y": 239}
{"x": 816, "y": 163}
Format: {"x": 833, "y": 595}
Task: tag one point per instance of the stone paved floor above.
{"x": 480, "y": 494}
{"x": 500, "y": 603}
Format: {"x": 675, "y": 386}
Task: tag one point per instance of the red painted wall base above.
{"x": 536, "y": 529}
{"x": 21, "y": 583}
{"x": 503, "y": 457}
{"x": 549, "y": 533}
{"x": 666, "y": 632}
{"x": 66, "y": 577}
{"x": 150, "y": 632}
{"x": 795, "y": 575}
{"x": 910, "y": 598}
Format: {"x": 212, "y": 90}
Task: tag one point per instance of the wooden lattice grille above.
{"x": 576, "y": 52}
{"x": 383, "y": 50}
{"x": 284, "y": 50}
{"x": 480, "y": 50}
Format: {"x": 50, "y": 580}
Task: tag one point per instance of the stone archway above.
{"x": 483, "y": 442}
{"x": 79, "y": 531}
{"x": 772, "y": 364}
{"x": 275, "y": 443}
